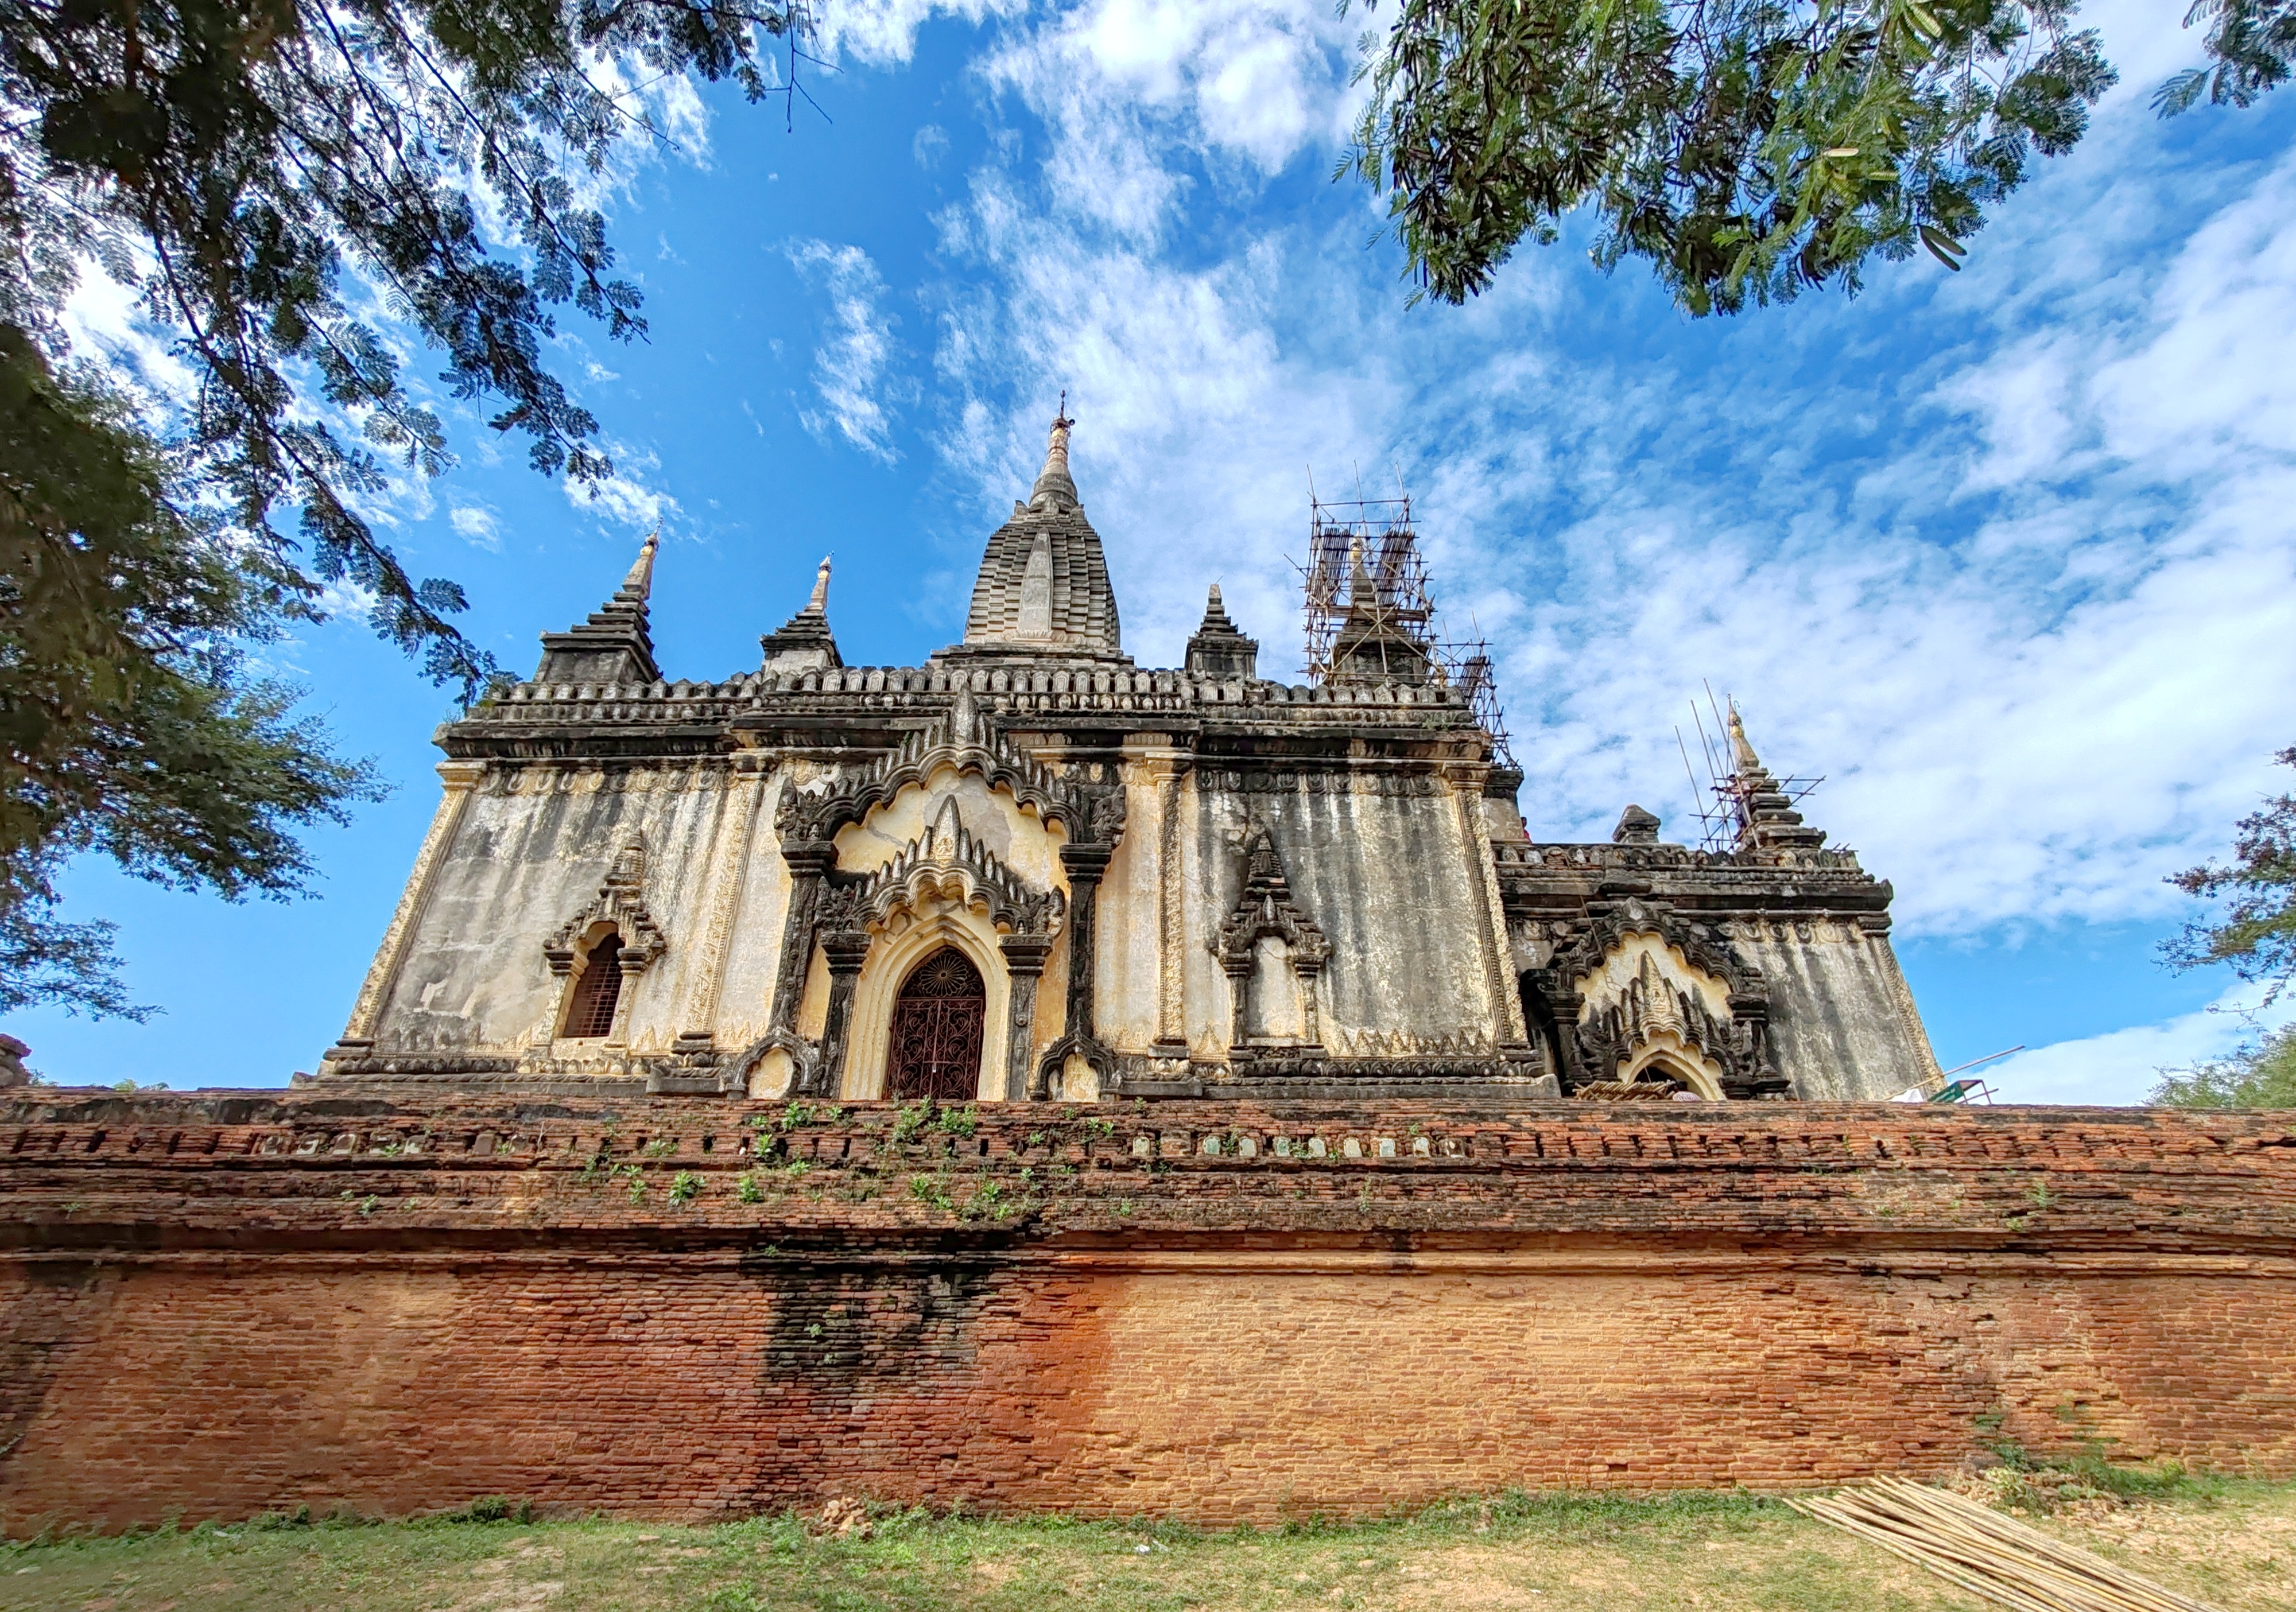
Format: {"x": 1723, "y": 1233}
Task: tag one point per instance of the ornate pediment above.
{"x": 965, "y": 739}
{"x": 948, "y": 860}
{"x": 1263, "y": 907}
{"x": 1646, "y": 987}
{"x": 620, "y": 902}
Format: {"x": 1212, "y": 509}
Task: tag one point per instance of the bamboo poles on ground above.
{"x": 1991, "y": 1556}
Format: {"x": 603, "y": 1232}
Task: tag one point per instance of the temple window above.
{"x": 590, "y": 1011}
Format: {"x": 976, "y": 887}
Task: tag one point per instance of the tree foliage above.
{"x": 1750, "y": 149}
{"x": 295, "y": 190}
{"x": 128, "y": 723}
{"x": 2256, "y": 933}
{"x": 2250, "y": 46}
{"x": 273, "y": 174}
{"x": 2261, "y": 1075}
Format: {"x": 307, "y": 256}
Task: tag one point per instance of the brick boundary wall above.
{"x": 220, "y": 1302}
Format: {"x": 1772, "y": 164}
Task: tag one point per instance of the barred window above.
{"x": 591, "y": 1013}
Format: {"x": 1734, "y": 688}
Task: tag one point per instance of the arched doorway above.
{"x": 934, "y": 1050}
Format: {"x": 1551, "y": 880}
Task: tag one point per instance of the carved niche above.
{"x": 1264, "y": 911}
{"x": 620, "y": 901}
{"x": 1654, "y": 1020}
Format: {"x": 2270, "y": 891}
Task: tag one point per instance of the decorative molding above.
{"x": 948, "y": 852}
{"x": 733, "y": 877}
{"x": 461, "y": 779}
{"x": 1604, "y": 1034}
{"x": 620, "y": 901}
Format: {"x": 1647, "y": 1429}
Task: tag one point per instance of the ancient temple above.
{"x": 1029, "y": 868}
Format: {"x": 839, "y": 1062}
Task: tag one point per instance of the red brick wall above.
{"x": 214, "y": 1307}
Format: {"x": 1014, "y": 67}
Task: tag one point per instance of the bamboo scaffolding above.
{"x": 1995, "y": 1558}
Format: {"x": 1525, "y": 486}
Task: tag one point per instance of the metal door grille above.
{"x": 592, "y": 1014}
{"x": 937, "y": 1028}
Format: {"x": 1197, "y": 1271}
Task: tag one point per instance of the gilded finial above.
{"x": 639, "y": 582}
{"x": 1055, "y": 489}
{"x": 1741, "y": 749}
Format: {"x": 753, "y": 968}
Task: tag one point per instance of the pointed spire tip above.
{"x": 639, "y": 582}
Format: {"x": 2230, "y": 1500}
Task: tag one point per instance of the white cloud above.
{"x": 851, "y": 368}
{"x": 884, "y": 32}
{"x": 1132, "y": 89}
{"x": 624, "y": 499}
{"x": 2124, "y": 1066}
{"x": 478, "y": 525}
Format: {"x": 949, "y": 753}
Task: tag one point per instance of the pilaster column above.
{"x": 1024, "y": 963}
{"x": 1567, "y": 1004}
{"x": 1084, "y": 864}
{"x": 1171, "y": 911}
{"x": 1311, "y": 1026}
{"x": 461, "y": 778}
{"x": 846, "y": 949}
{"x": 809, "y": 861}
{"x": 1465, "y": 783}
{"x": 1239, "y": 972}
{"x": 747, "y": 784}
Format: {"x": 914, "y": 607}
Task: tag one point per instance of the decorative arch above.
{"x": 621, "y": 903}
{"x": 1674, "y": 1063}
{"x": 892, "y": 956}
{"x": 948, "y": 870}
{"x": 965, "y": 739}
{"x": 946, "y": 862}
{"x": 618, "y": 910}
{"x": 1703, "y": 1013}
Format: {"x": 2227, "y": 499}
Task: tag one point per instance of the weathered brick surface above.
{"x": 217, "y": 1303}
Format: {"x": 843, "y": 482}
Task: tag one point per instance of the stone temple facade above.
{"x": 1030, "y": 869}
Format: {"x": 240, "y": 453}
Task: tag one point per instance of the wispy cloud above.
{"x": 625, "y": 499}
{"x": 478, "y": 525}
{"x": 852, "y": 368}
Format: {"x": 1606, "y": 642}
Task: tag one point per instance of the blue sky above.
{"x": 2005, "y": 556}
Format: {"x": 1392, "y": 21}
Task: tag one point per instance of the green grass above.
{"x": 2233, "y": 1543}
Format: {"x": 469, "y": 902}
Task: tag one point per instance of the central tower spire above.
{"x": 1043, "y": 586}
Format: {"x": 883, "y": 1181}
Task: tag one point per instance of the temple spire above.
{"x": 1055, "y": 489}
{"x": 1218, "y": 649}
{"x": 1742, "y": 751}
{"x": 637, "y": 587}
{"x": 616, "y": 643}
{"x": 1766, "y": 820}
{"x": 804, "y": 641}
{"x": 1375, "y": 643}
{"x": 1042, "y": 590}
